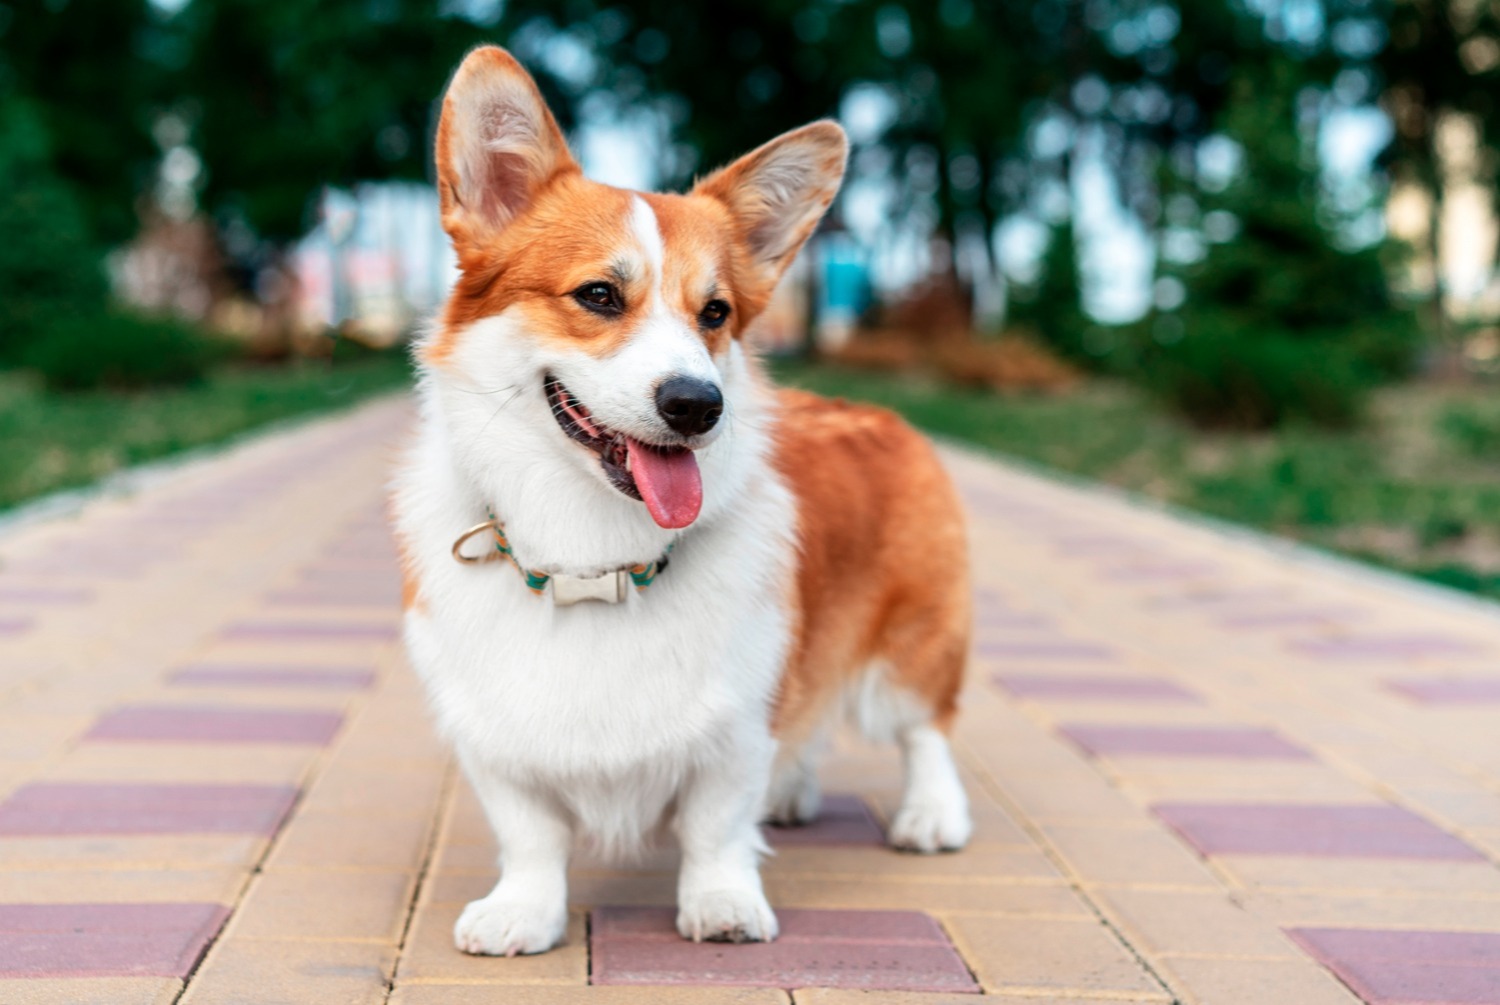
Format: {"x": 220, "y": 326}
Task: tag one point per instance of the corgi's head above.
{"x": 609, "y": 316}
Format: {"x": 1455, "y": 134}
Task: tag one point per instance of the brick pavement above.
{"x": 1204, "y": 770}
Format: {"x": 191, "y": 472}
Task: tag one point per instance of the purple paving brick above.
{"x": 1321, "y": 831}
{"x": 1366, "y": 647}
{"x": 1092, "y": 688}
{"x": 310, "y": 631}
{"x": 179, "y": 724}
{"x": 1481, "y": 691}
{"x": 1246, "y": 743}
{"x": 866, "y": 950}
{"x": 55, "y": 808}
{"x": 843, "y": 820}
{"x": 106, "y": 940}
{"x": 1060, "y": 650}
{"x": 1225, "y": 598}
{"x": 312, "y": 677}
{"x": 1009, "y": 620}
{"x": 14, "y": 626}
{"x": 1406, "y": 967}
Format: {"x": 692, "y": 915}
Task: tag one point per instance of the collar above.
{"x": 610, "y": 587}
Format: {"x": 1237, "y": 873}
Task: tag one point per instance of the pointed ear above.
{"x": 779, "y": 192}
{"x": 497, "y": 146}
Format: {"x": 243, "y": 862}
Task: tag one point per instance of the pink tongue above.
{"x": 669, "y": 483}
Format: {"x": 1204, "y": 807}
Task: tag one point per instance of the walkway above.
{"x": 1203, "y": 771}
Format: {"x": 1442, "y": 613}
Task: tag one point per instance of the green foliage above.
{"x": 1474, "y": 432}
{"x": 50, "y": 268}
{"x": 1279, "y": 323}
{"x": 95, "y": 74}
{"x": 123, "y": 351}
{"x": 1239, "y": 379}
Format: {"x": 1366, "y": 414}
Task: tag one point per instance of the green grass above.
{"x": 1416, "y": 489}
{"x": 58, "y": 441}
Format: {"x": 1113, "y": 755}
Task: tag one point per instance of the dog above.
{"x": 690, "y": 572}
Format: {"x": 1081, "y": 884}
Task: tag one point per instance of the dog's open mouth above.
{"x": 666, "y": 479}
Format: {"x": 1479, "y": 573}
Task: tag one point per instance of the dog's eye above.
{"x": 713, "y": 314}
{"x": 601, "y": 297}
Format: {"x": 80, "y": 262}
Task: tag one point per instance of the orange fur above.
{"x": 882, "y": 570}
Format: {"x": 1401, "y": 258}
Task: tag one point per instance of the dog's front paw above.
{"x": 930, "y": 827}
{"x": 727, "y": 916}
{"x": 497, "y": 926}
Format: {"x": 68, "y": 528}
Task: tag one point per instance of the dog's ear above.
{"x": 778, "y": 192}
{"x": 497, "y": 146}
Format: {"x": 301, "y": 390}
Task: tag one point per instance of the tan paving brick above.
{"x": 320, "y": 840}
{"x": 1382, "y": 910}
{"x": 118, "y": 886}
{"x": 975, "y": 861}
{"x": 1472, "y": 879}
{"x": 1210, "y": 980}
{"x": 453, "y": 994}
{"x": 131, "y": 852}
{"x": 292, "y": 972}
{"x": 91, "y": 991}
{"x": 841, "y": 996}
{"x": 1128, "y": 855}
{"x": 324, "y": 904}
{"x": 1040, "y": 956}
{"x": 1176, "y": 921}
{"x": 429, "y": 956}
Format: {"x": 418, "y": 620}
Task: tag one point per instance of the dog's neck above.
{"x": 560, "y": 515}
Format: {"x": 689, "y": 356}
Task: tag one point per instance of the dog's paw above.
{"x": 496, "y": 926}
{"x": 931, "y": 827}
{"x": 727, "y": 916}
{"x": 794, "y": 801}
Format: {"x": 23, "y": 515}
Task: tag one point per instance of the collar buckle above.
{"x": 611, "y": 588}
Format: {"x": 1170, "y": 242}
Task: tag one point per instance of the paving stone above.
{"x": 881, "y": 950}
{"x": 63, "y": 808}
{"x": 843, "y": 820}
{"x": 1038, "y": 651}
{"x": 1182, "y": 741}
{"x": 332, "y": 678}
{"x": 172, "y": 724}
{"x": 300, "y": 631}
{"x": 1410, "y": 966}
{"x": 1388, "y": 647}
{"x": 1448, "y": 691}
{"x": 1348, "y": 831}
{"x": 102, "y": 940}
{"x": 90, "y": 991}
{"x": 241, "y": 971}
{"x": 1038, "y": 956}
{"x": 1081, "y": 687}
{"x": 484, "y": 994}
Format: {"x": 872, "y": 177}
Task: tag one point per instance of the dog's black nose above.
{"x": 689, "y": 405}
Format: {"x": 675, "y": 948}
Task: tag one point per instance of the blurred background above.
{"x": 1240, "y": 255}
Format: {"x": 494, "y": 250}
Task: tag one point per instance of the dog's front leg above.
{"x": 527, "y": 911}
{"x": 719, "y": 896}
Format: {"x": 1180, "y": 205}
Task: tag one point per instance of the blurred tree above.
{"x": 93, "y": 72}
{"x": 50, "y": 268}
{"x": 1443, "y": 58}
{"x": 1275, "y": 320}
{"x": 285, "y": 96}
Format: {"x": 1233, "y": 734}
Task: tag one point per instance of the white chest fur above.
{"x": 604, "y": 707}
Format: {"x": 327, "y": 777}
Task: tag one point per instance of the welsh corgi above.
{"x": 694, "y": 573}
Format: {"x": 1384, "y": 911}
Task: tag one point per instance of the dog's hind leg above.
{"x": 912, "y": 700}
{"x": 795, "y": 796}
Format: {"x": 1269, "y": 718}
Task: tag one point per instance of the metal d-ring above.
{"x": 463, "y": 538}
